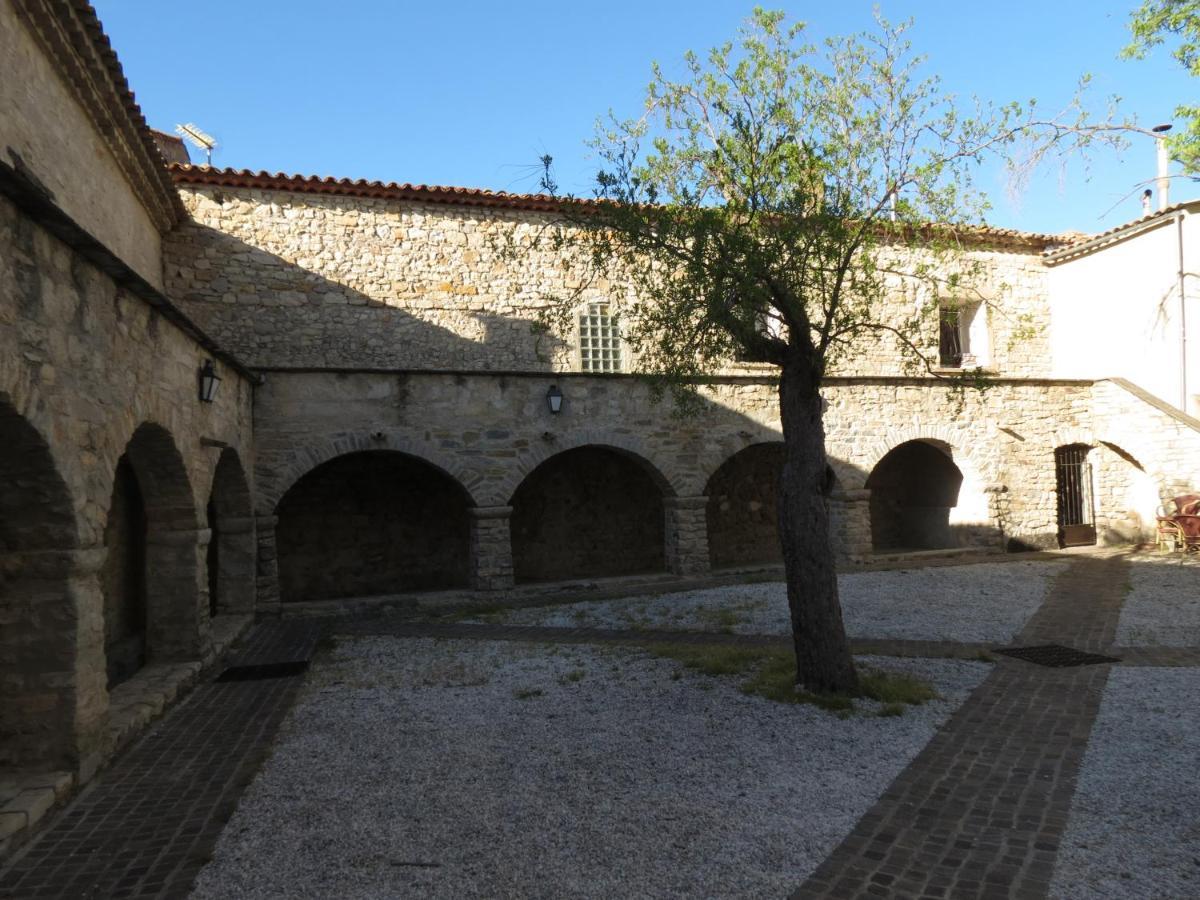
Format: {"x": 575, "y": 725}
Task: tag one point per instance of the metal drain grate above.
{"x": 1057, "y": 656}
{"x": 263, "y": 671}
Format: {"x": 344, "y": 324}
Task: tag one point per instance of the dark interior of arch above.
{"x": 587, "y": 512}
{"x": 743, "y": 508}
{"x": 123, "y": 578}
{"x": 913, "y": 489}
{"x": 372, "y": 523}
{"x": 37, "y": 641}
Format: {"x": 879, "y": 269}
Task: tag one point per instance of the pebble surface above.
{"x": 1163, "y": 604}
{"x": 415, "y": 768}
{"x": 987, "y": 602}
{"x": 1134, "y": 828}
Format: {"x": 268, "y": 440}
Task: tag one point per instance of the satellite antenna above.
{"x": 195, "y": 136}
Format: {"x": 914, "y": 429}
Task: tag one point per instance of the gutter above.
{"x": 1183, "y": 354}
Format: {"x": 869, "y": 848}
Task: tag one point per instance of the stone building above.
{"x": 382, "y": 424}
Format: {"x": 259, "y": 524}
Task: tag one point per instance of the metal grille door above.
{"x": 1076, "y": 506}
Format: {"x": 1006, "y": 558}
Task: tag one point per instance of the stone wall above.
{"x": 89, "y": 373}
{"x": 49, "y": 130}
{"x": 290, "y": 279}
{"x": 490, "y": 432}
{"x": 743, "y": 509}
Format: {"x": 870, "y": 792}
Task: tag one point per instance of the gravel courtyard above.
{"x": 981, "y": 602}
{"x": 413, "y": 767}
{"x": 454, "y": 769}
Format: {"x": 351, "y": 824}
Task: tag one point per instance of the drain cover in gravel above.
{"x": 263, "y": 671}
{"x": 1057, "y": 656}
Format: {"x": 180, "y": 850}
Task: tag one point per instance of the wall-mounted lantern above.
{"x": 209, "y": 379}
{"x": 554, "y": 399}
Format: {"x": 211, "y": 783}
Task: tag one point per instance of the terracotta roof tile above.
{"x": 460, "y": 196}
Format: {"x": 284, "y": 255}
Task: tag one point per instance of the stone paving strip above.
{"x": 145, "y": 826}
{"x": 982, "y": 809}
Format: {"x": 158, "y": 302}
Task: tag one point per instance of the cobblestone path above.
{"x": 981, "y": 810}
{"x": 145, "y": 826}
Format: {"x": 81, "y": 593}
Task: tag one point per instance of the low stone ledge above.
{"x": 25, "y": 800}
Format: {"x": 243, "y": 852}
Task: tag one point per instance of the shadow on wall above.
{"x": 272, "y": 312}
{"x": 920, "y": 500}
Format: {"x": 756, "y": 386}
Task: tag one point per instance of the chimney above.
{"x": 1164, "y": 161}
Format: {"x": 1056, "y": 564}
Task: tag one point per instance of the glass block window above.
{"x": 599, "y": 340}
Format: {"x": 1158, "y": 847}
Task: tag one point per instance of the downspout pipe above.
{"x": 1183, "y": 349}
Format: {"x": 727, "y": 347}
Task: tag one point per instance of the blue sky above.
{"x": 472, "y": 93}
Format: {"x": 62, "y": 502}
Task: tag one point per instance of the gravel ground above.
{"x": 981, "y": 602}
{"x": 1163, "y": 605}
{"x": 1134, "y": 829}
{"x": 457, "y": 769}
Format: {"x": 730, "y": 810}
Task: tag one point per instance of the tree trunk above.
{"x": 823, "y": 661}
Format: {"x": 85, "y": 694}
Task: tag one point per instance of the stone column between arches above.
{"x": 55, "y": 702}
{"x": 686, "y": 535}
{"x": 266, "y": 580}
{"x": 238, "y": 569}
{"x": 491, "y": 548}
{"x": 176, "y": 630}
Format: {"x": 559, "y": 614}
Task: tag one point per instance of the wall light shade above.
{"x": 554, "y": 399}
{"x": 209, "y": 379}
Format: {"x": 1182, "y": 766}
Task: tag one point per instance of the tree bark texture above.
{"x": 823, "y": 660}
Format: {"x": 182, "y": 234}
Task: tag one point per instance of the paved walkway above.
{"x": 981, "y": 810}
{"x": 145, "y": 826}
{"x": 978, "y": 813}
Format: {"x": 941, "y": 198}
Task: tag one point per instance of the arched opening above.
{"x": 230, "y": 559}
{"x": 150, "y": 576}
{"x": 588, "y": 512}
{"x": 123, "y": 578}
{"x": 372, "y": 523}
{"x": 913, "y": 490}
{"x": 40, "y": 658}
{"x": 1076, "y": 499}
{"x": 743, "y": 508}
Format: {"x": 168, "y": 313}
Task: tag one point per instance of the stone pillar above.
{"x": 53, "y": 688}
{"x": 267, "y": 569}
{"x": 237, "y": 571}
{"x": 686, "y": 535}
{"x": 998, "y": 505}
{"x": 177, "y": 619}
{"x": 491, "y": 548}
{"x": 850, "y": 526}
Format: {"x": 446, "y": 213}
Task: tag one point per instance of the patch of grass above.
{"x": 723, "y": 619}
{"x": 573, "y": 677}
{"x": 528, "y": 693}
{"x": 770, "y": 673}
{"x": 711, "y": 659}
{"x": 894, "y": 687}
{"x": 984, "y": 656}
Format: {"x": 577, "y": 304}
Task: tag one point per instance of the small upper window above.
{"x": 962, "y": 336}
{"x": 599, "y": 340}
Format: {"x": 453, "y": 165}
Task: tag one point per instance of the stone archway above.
{"x": 372, "y": 523}
{"x": 54, "y": 698}
{"x": 155, "y": 608}
{"x": 590, "y": 511}
{"x": 914, "y": 489}
{"x": 743, "y": 507}
{"x": 230, "y": 561}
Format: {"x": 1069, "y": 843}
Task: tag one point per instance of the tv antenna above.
{"x": 195, "y": 136}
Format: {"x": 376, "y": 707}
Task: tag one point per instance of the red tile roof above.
{"x": 460, "y": 196}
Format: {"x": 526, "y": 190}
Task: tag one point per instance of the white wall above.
{"x": 1116, "y": 311}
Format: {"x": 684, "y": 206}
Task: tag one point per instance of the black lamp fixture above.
{"x": 209, "y": 379}
{"x": 554, "y": 399}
